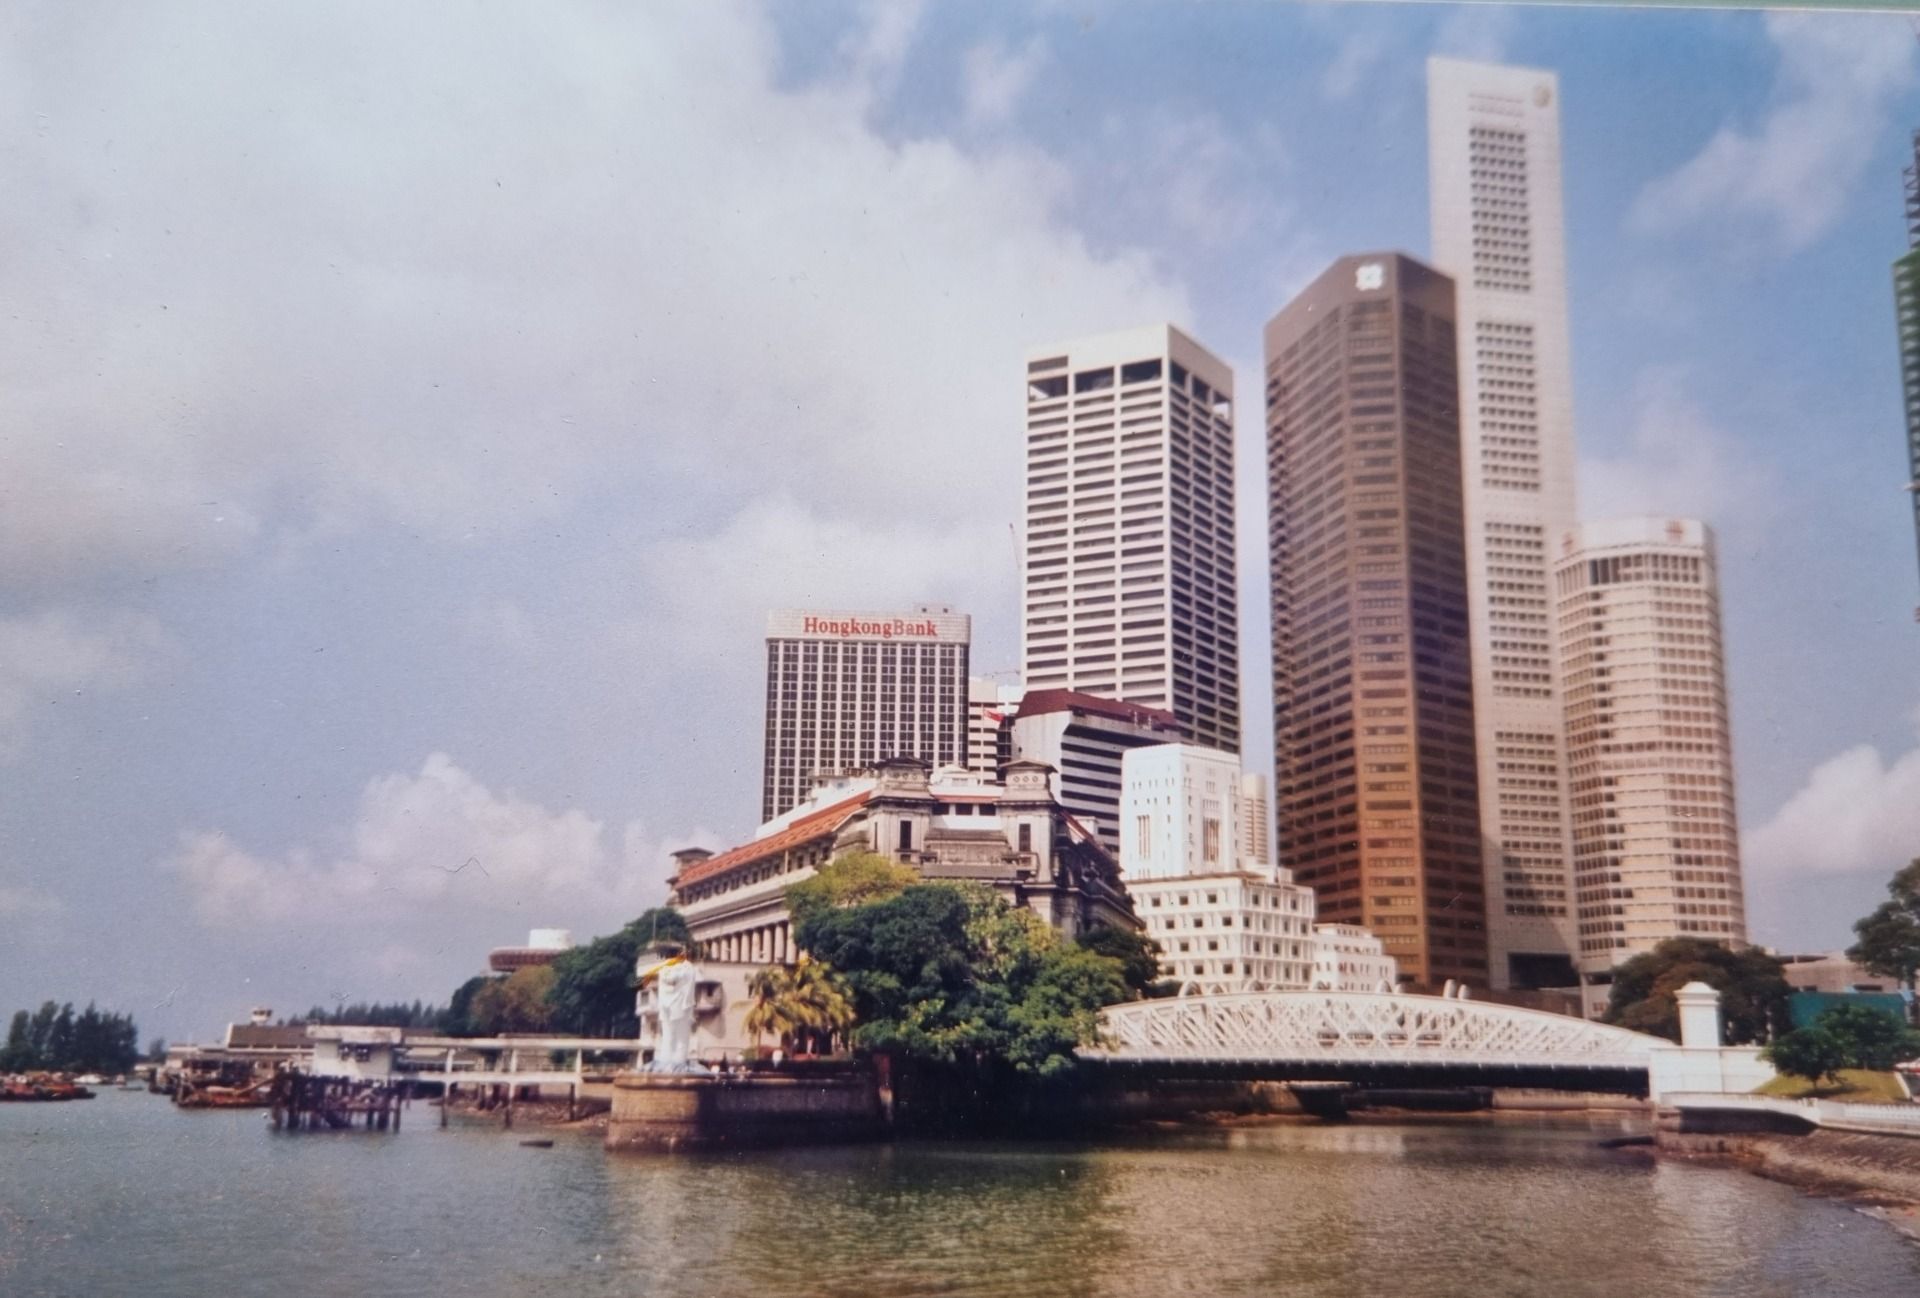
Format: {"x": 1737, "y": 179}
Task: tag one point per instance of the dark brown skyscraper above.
{"x": 1375, "y": 788}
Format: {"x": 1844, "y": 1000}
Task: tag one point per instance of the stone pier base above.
{"x": 666, "y": 1113}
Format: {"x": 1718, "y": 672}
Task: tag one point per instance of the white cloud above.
{"x": 459, "y": 276}
{"x": 1362, "y": 49}
{"x": 1476, "y": 31}
{"x": 780, "y": 553}
{"x": 1857, "y": 811}
{"x": 1679, "y": 462}
{"x": 55, "y": 656}
{"x": 440, "y": 857}
{"x": 1791, "y": 173}
{"x": 994, "y": 79}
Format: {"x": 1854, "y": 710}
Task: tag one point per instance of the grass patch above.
{"x": 1856, "y": 1084}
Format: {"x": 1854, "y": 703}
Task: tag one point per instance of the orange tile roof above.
{"x": 827, "y": 820}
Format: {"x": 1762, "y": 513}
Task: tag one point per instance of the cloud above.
{"x": 57, "y": 655}
{"x": 1476, "y": 31}
{"x": 315, "y": 275}
{"x": 994, "y": 79}
{"x": 1857, "y": 811}
{"x": 1679, "y": 461}
{"x": 780, "y": 553}
{"x": 437, "y": 855}
{"x": 1362, "y": 49}
{"x": 1790, "y": 175}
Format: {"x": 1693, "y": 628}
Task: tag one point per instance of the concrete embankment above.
{"x": 1882, "y": 1171}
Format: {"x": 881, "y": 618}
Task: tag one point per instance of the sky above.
{"x": 409, "y": 414}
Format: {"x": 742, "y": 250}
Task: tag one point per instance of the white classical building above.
{"x": 1347, "y": 958}
{"x": 1225, "y": 921}
{"x": 1179, "y": 811}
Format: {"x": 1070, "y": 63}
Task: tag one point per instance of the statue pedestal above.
{"x": 670, "y": 1113}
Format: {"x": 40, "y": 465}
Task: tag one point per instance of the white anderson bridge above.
{"x": 1386, "y": 1039}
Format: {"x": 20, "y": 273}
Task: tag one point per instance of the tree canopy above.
{"x": 804, "y": 1005}
{"x": 1889, "y": 938}
{"x": 1845, "y": 1036}
{"x": 1138, "y": 954}
{"x": 55, "y": 1039}
{"x": 592, "y": 991}
{"x": 1753, "y": 989}
{"x": 953, "y": 973}
{"x": 516, "y": 1003}
{"x": 850, "y": 879}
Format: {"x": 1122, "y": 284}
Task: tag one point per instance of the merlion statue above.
{"x": 675, "y": 979}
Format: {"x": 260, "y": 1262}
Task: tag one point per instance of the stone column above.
{"x": 1699, "y": 1016}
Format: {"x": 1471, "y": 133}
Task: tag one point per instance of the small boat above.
{"x": 536, "y": 1144}
{"x": 90, "y": 1079}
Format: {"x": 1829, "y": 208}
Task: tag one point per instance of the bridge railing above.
{"x": 1894, "y": 1119}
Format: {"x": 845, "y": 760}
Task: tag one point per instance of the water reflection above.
{"x": 134, "y": 1197}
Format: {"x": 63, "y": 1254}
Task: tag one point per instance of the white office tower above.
{"x": 1256, "y": 832}
{"x": 1179, "y": 812}
{"x": 1129, "y": 587}
{"x": 1494, "y": 176}
{"x": 845, "y": 690}
{"x": 1656, "y": 850}
{"x": 1230, "y": 932}
{"x": 990, "y": 709}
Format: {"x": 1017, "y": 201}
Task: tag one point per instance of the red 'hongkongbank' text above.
{"x": 885, "y": 629}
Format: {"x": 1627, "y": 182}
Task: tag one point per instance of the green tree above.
{"x": 1873, "y": 1039}
{"x": 593, "y": 984}
{"x": 850, "y": 879}
{"x": 803, "y": 1005}
{"x": 1753, "y": 989}
{"x": 1807, "y": 1052}
{"x": 1889, "y": 938}
{"x": 157, "y": 1050}
{"x": 17, "y": 1055}
{"x": 458, "y": 1019}
{"x": 1138, "y": 954}
{"x": 955, "y": 974}
{"x": 516, "y": 1003}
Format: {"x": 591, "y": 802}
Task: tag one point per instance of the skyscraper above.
{"x": 1906, "y": 303}
{"x": 1649, "y": 764}
{"x": 1129, "y": 563}
{"x": 845, "y": 690}
{"x": 1498, "y": 230}
{"x": 1375, "y": 790}
{"x": 1256, "y": 830}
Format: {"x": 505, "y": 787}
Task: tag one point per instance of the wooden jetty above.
{"x": 301, "y": 1101}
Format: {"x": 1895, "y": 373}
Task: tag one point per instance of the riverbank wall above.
{"x": 665, "y": 1113}
{"x": 1874, "y": 1169}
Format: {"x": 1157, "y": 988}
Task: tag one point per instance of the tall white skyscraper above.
{"x": 1256, "y": 829}
{"x": 1498, "y": 230}
{"x": 1129, "y": 586}
{"x": 1656, "y": 849}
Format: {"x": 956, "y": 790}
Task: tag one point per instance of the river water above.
{"x": 125, "y": 1195}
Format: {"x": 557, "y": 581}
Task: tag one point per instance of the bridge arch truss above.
{"x": 1288, "y": 1032}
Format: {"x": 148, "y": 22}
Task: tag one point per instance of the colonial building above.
{"x": 952, "y": 824}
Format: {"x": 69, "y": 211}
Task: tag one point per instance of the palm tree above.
{"x": 798, "y": 1004}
